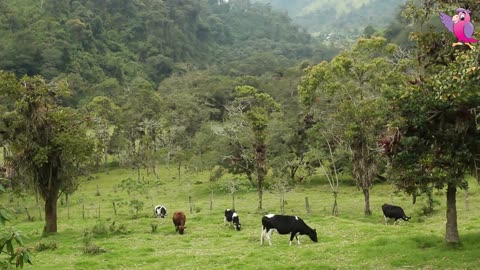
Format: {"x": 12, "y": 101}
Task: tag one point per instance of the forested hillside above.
{"x": 343, "y": 19}
{"x": 100, "y": 47}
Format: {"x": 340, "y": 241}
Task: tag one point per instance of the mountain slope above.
{"x": 341, "y": 17}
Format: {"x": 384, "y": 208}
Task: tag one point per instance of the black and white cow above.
{"x": 392, "y": 211}
{"x": 160, "y": 211}
{"x": 232, "y": 216}
{"x": 285, "y": 225}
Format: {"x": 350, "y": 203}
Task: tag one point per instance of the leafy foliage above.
{"x": 46, "y": 142}
{"x": 8, "y": 238}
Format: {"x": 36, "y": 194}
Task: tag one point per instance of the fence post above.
{"x": 307, "y": 205}
{"x": 211, "y": 200}
{"x": 29, "y": 218}
{"x": 114, "y": 209}
{"x": 190, "y": 203}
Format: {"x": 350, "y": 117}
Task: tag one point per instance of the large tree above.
{"x": 47, "y": 142}
{"x": 346, "y": 99}
{"x": 246, "y": 130}
{"x": 435, "y": 142}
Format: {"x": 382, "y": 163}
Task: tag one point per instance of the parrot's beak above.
{"x": 455, "y": 18}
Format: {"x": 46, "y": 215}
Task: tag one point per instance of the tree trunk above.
{"x": 105, "y": 161}
{"x": 451, "y": 235}
{"x": 261, "y": 168}
{"x": 68, "y": 206}
{"x": 366, "y": 194}
{"x": 50, "y": 214}
{"x": 260, "y": 193}
{"x": 335, "y": 204}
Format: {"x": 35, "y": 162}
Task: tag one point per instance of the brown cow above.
{"x": 179, "y": 219}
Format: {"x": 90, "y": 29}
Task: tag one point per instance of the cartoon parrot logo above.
{"x": 461, "y": 26}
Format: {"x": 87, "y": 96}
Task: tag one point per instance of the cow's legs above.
{"x": 269, "y": 233}
{"x": 294, "y": 234}
{"x": 385, "y": 217}
{"x": 262, "y": 235}
{"x": 224, "y": 221}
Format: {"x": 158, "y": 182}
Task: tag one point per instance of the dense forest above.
{"x": 237, "y": 87}
{"x": 101, "y": 47}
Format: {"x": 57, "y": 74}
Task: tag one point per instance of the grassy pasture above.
{"x": 350, "y": 241}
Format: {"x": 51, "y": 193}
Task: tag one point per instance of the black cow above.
{"x": 232, "y": 216}
{"x": 392, "y": 211}
{"x": 160, "y": 211}
{"x": 284, "y": 225}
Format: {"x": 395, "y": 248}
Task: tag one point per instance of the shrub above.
{"x": 99, "y": 229}
{"x": 46, "y": 246}
{"x": 93, "y": 249}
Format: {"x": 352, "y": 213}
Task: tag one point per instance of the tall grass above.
{"x": 349, "y": 241}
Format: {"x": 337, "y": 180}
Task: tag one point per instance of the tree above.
{"x": 346, "y": 99}
{"x": 47, "y": 142}
{"x": 435, "y": 141}
{"x": 104, "y": 113}
{"x": 247, "y": 131}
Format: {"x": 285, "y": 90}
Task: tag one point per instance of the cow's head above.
{"x": 313, "y": 235}
{"x": 181, "y": 228}
{"x": 238, "y": 226}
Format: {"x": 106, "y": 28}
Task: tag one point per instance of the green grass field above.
{"x": 349, "y": 241}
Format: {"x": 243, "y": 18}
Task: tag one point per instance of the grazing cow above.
{"x": 284, "y": 225}
{"x": 392, "y": 211}
{"x": 179, "y": 219}
{"x": 232, "y": 216}
{"x": 160, "y": 211}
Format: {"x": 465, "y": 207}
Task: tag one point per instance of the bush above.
{"x": 122, "y": 229}
{"x": 99, "y": 229}
{"x": 154, "y": 226}
{"x": 93, "y": 249}
{"x": 89, "y": 247}
{"x": 46, "y": 246}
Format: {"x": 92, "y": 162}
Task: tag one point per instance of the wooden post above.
{"x": 190, "y": 203}
{"x": 233, "y": 200}
{"x": 114, "y": 209}
{"x": 307, "y": 205}
{"x": 211, "y": 199}
{"x": 29, "y": 218}
{"x": 83, "y": 211}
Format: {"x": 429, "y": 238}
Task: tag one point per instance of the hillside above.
{"x": 113, "y": 42}
{"x": 348, "y": 17}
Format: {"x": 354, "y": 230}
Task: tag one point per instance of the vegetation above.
{"x": 107, "y": 109}
{"x": 349, "y": 241}
{"x": 46, "y": 142}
